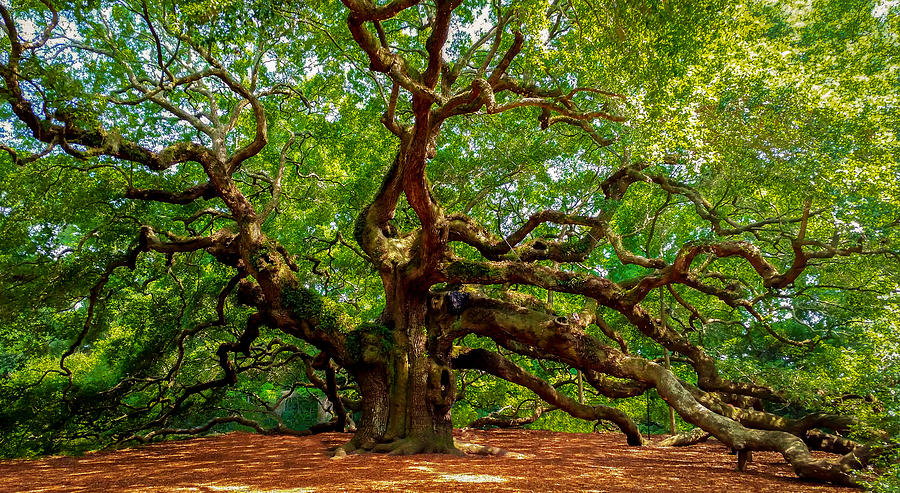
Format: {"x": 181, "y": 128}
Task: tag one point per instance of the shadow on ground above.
{"x": 549, "y": 461}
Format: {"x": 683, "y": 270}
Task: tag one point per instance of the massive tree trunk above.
{"x": 407, "y": 385}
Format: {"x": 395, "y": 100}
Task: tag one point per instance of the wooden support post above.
{"x": 744, "y": 456}
{"x": 580, "y": 388}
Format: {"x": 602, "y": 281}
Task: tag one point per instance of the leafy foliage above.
{"x": 772, "y": 121}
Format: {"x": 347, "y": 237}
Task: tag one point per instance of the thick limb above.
{"x": 606, "y": 293}
{"x": 767, "y": 421}
{"x": 691, "y": 437}
{"x": 499, "y": 421}
{"x": 495, "y": 364}
{"x": 580, "y": 350}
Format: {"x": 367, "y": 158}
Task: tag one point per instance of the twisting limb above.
{"x": 707, "y": 210}
{"x": 496, "y": 421}
{"x": 614, "y": 388}
{"x": 503, "y": 323}
{"x": 278, "y": 429}
{"x": 276, "y": 183}
{"x": 694, "y": 436}
{"x": 20, "y": 161}
{"x": 129, "y": 260}
{"x": 497, "y": 365}
{"x": 389, "y": 119}
{"x": 166, "y": 383}
{"x": 169, "y": 379}
{"x": 328, "y": 386}
{"x": 762, "y": 420}
{"x": 373, "y": 231}
{"x": 97, "y": 140}
{"x": 449, "y": 76}
{"x": 609, "y": 332}
{"x": 229, "y": 368}
{"x": 819, "y": 440}
{"x": 606, "y": 293}
{"x": 626, "y": 296}
{"x": 503, "y": 19}
{"x": 380, "y": 56}
{"x": 492, "y": 247}
{"x": 178, "y": 244}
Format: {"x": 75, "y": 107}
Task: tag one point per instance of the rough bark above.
{"x": 685, "y": 439}
{"x": 499, "y": 421}
{"x": 503, "y": 322}
{"x": 495, "y": 364}
{"x": 407, "y": 386}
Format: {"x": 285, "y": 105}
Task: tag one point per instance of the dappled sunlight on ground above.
{"x": 545, "y": 461}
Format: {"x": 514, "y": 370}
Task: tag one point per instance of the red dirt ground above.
{"x": 542, "y": 461}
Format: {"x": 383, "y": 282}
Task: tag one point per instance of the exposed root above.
{"x": 402, "y": 446}
{"x": 692, "y": 437}
{"x": 344, "y": 450}
{"x": 415, "y": 445}
{"x": 352, "y": 447}
{"x": 476, "y": 449}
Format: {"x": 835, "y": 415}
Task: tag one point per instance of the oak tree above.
{"x": 376, "y": 200}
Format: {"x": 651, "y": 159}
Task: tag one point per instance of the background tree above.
{"x": 200, "y": 197}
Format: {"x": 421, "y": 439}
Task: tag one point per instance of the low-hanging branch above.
{"x": 495, "y": 364}
{"x": 494, "y": 420}
{"x": 503, "y": 323}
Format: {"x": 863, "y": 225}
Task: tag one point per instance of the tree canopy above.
{"x": 452, "y": 212}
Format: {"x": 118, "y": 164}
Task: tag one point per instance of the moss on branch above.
{"x": 370, "y": 342}
{"x": 467, "y": 269}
